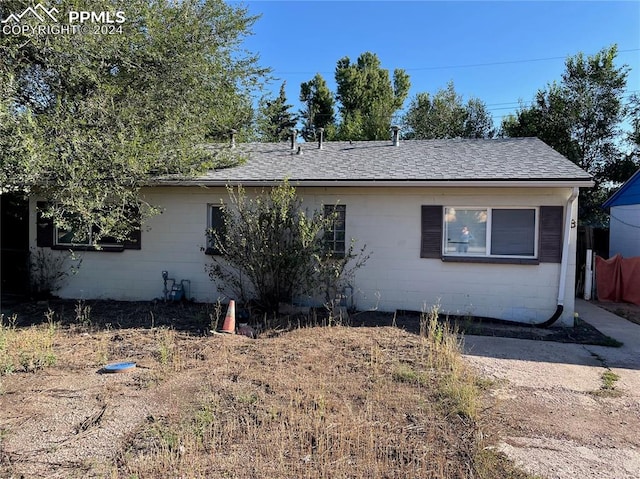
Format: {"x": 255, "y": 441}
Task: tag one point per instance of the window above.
{"x": 465, "y": 231}
{"x": 69, "y": 238}
{"x": 513, "y": 232}
{"x": 496, "y": 235}
{"x": 58, "y": 238}
{"x": 215, "y": 222}
{"x": 65, "y": 239}
{"x": 500, "y": 232}
{"x": 336, "y": 236}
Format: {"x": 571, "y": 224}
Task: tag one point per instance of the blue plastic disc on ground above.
{"x": 118, "y": 367}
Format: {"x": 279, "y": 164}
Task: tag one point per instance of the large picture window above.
{"x": 494, "y": 232}
{"x": 50, "y": 236}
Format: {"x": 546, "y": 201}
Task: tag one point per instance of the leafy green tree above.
{"x": 368, "y": 99}
{"x": 633, "y": 137}
{"x": 621, "y": 170}
{"x": 272, "y": 249}
{"x": 581, "y": 118}
{"x": 478, "y": 122}
{"x": 86, "y": 120}
{"x": 319, "y": 108}
{"x": 275, "y": 121}
{"x": 446, "y": 116}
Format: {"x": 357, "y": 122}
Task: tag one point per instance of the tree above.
{"x": 633, "y": 112}
{"x": 319, "y": 108}
{"x": 275, "y": 121}
{"x": 367, "y": 97}
{"x": 271, "y": 249}
{"x": 581, "y": 118}
{"x": 86, "y": 120}
{"x": 446, "y": 116}
{"x": 621, "y": 170}
{"x": 478, "y": 122}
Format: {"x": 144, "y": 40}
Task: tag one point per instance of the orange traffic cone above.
{"x": 229, "y": 325}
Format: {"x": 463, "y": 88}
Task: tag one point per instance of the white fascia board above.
{"x": 394, "y": 183}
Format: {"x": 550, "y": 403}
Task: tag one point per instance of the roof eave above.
{"x": 613, "y": 199}
{"x": 531, "y": 183}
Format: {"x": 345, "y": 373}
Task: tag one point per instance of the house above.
{"x": 624, "y": 222}
{"x": 408, "y": 201}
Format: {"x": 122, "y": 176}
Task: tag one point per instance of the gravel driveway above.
{"x": 549, "y": 406}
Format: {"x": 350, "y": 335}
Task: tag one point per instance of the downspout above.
{"x": 564, "y": 262}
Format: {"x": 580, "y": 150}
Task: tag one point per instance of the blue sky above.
{"x": 500, "y": 52}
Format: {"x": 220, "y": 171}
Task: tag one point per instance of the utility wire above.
{"x": 469, "y": 65}
{"x": 624, "y": 222}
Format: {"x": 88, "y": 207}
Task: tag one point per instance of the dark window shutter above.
{"x": 134, "y": 241}
{"x": 216, "y": 223}
{"x": 431, "y": 227}
{"x": 550, "y": 248}
{"x": 44, "y": 227}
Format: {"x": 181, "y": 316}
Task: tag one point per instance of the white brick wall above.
{"x": 386, "y": 219}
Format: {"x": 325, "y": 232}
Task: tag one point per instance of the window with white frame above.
{"x": 493, "y": 232}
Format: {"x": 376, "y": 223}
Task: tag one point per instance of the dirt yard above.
{"x": 296, "y": 402}
{"x": 545, "y": 407}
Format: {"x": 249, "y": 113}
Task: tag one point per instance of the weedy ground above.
{"x": 298, "y": 402}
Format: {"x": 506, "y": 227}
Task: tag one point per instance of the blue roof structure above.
{"x": 628, "y": 194}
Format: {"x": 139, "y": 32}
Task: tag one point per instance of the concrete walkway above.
{"x": 628, "y": 333}
{"x": 551, "y": 423}
{"x": 625, "y": 357}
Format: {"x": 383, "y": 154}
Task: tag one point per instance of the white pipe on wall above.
{"x": 588, "y": 275}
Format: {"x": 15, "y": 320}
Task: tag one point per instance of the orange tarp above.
{"x": 618, "y": 279}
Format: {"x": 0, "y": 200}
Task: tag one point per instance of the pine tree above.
{"x": 319, "y": 108}
{"x": 368, "y": 99}
{"x": 275, "y": 121}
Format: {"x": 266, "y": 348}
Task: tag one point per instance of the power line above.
{"x": 469, "y": 65}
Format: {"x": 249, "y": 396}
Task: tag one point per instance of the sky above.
{"x": 501, "y": 52}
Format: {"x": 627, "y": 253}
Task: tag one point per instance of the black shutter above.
{"x": 134, "y": 241}
{"x": 431, "y": 228}
{"x": 216, "y": 223}
{"x": 44, "y": 227}
{"x": 550, "y": 248}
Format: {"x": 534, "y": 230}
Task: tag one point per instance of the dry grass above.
{"x": 326, "y": 402}
{"x": 26, "y": 349}
{"x": 314, "y": 402}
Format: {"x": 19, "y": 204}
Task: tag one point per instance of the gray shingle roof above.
{"x": 512, "y": 159}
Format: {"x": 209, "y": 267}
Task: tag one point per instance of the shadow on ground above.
{"x": 201, "y": 318}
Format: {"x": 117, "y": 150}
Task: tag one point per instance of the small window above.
{"x": 336, "y": 235}
{"x": 215, "y": 223}
{"x": 493, "y": 232}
